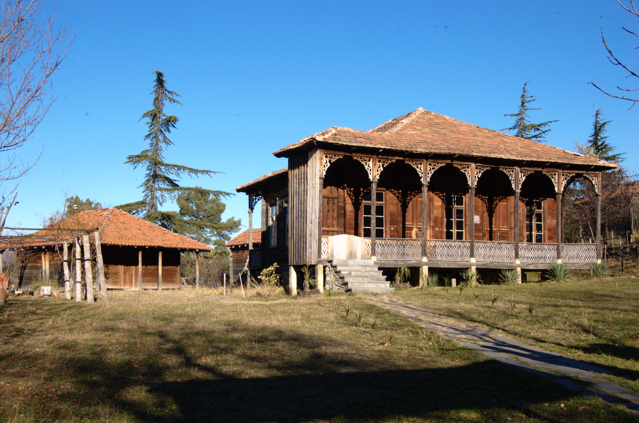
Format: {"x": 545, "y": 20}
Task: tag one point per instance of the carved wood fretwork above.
{"x": 465, "y": 168}
{"x": 417, "y": 165}
{"x": 328, "y": 159}
{"x": 479, "y": 170}
{"x": 510, "y": 172}
{"x": 491, "y": 201}
{"x": 368, "y": 165}
{"x": 381, "y": 164}
{"x": 432, "y": 168}
{"x": 554, "y": 177}
{"x": 592, "y": 177}
{"x": 523, "y": 174}
{"x": 404, "y": 197}
{"x": 253, "y": 200}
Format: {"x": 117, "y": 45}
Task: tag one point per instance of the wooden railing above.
{"x": 409, "y": 249}
{"x": 447, "y": 250}
{"x": 495, "y": 252}
{"x": 392, "y": 249}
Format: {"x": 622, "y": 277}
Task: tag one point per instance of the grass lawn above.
{"x": 595, "y": 321}
{"x": 194, "y": 356}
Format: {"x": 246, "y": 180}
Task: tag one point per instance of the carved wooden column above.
{"x": 373, "y": 216}
{"x": 425, "y": 211}
{"x": 516, "y": 222}
{"x": 320, "y": 216}
{"x": 471, "y": 214}
{"x": 140, "y": 270}
{"x": 598, "y": 239}
{"x": 160, "y": 270}
{"x": 560, "y": 188}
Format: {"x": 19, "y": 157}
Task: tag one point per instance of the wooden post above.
{"x": 88, "y": 273}
{"x": 230, "y": 267}
{"x": 225, "y": 284}
{"x": 140, "y": 270}
{"x": 471, "y": 214}
{"x": 516, "y": 213}
{"x": 100, "y": 264}
{"x": 65, "y": 270}
{"x": 425, "y": 213}
{"x": 197, "y": 270}
{"x": 78, "y": 272}
{"x": 319, "y": 276}
{"x": 160, "y": 270}
{"x": 320, "y": 218}
{"x": 559, "y": 229}
{"x": 250, "y": 223}
{"x": 43, "y": 266}
{"x": 598, "y": 235}
{"x": 292, "y": 280}
{"x": 373, "y": 217}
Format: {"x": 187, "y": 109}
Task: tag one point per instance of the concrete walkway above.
{"x": 559, "y": 369}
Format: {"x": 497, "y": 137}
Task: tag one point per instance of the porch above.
{"x": 395, "y": 252}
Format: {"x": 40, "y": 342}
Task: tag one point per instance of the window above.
{"x": 534, "y": 222}
{"x": 455, "y": 222}
{"x": 272, "y": 222}
{"x": 379, "y": 212}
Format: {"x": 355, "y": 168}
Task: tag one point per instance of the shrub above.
{"x": 599, "y": 270}
{"x": 469, "y": 278}
{"x": 402, "y": 274}
{"x": 308, "y": 280}
{"x": 432, "y": 280}
{"x": 269, "y": 277}
{"x": 508, "y": 277}
{"x": 557, "y": 273}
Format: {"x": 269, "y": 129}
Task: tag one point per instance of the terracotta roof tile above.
{"x": 425, "y": 132}
{"x": 262, "y": 179}
{"x": 242, "y": 239}
{"x": 120, "y": 228}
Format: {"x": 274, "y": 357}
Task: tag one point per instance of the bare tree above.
{"x": 31, "y": 50}
{"x": 615, "y": 61}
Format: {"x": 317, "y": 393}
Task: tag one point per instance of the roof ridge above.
{"x": 401, "y": 122}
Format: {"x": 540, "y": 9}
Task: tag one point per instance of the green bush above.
{"x": 432, "y": 280}
{"x": 402, "y": 275}
{"x": 599, "y": 270}
{"x": 269, "y": 277}
{"x": 469, "y": 278}
{"x": 508, "y": 277}
{"x": 557, "y": 273}
{"x": 308, "y": 280}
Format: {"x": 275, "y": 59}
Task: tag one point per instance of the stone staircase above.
{"x": 361, "y": 276}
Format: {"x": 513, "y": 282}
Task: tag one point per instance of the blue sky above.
{"x": 255, "y": 76}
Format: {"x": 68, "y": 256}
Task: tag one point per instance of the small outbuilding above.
{"x": 137, "y": 254}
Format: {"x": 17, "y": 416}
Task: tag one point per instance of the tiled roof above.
{"x": 119, "y": 228}
{"x": 424, "y": 132}
{"x": 261, "y": 179}
{"x": 242, "y": 239}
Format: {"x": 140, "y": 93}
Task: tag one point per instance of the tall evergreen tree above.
{"x": 160, "y": 182}
{"x": 597, "y": 145}
{"x": 522, "y": 127}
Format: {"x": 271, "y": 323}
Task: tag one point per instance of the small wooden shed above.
{"x": 137, "y": 254}
{"x": 239, "y": 251}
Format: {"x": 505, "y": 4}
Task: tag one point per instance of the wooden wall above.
{"x": 120, "y": 267}
{"x": 338, "y": 217}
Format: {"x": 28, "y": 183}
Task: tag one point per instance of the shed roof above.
{"x": 265, "y": 179}
{"x": 242, "y": 239}
{"x": 116, "y": 228}
{"x": 429, "y": 133}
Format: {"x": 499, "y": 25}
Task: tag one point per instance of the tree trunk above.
{"x": 88, "y": 273}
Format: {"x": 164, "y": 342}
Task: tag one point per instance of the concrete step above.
{"x": 364, "y": 279}
{"x": 353, "y": 263}
{"x": 360, "y": 273}
{"x": 361, "y": 276}
{"x": 371, "y": 290}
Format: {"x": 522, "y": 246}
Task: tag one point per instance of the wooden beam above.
{"x": 65, "y": 270}
{"x": 197, "y": 269}
{"x": 140, "y": 270}
{"x": 160, "y": 270}
{"x": 78, "y": 272}
{"x": 88, "y": 273}
{"x": 100, "y": 264}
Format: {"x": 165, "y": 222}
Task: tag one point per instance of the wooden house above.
{"x": 137, "y": 254}
{"x": 239, "y": 252}
{"x": 424, "y": 191}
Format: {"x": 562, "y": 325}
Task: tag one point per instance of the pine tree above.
{"x": 522, "y": 127}
{"x": 201, "y": 217}
{"x": 597, "y": 145}
{"x": 160, "y": 182}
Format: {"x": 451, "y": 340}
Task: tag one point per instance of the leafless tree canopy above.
{"x": 625, "y": 92}
{"x": 32, "y": 49}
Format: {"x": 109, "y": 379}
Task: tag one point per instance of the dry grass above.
{"x": 200, "y": 356}
{"x": 595, "y": 321}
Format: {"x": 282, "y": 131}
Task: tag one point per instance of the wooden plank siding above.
{"x": 120, "y": 267}
{"x": 338, "y": 217}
